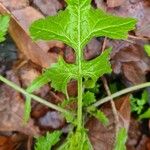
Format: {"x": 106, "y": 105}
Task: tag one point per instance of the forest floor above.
{"x": 21, "y": 61}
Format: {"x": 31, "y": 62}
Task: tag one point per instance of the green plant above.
{"x": 75, "y": 26}
{"x": 121, "y": 139}
{"x": 147, "y": 49}
{"x": 138, "y": 105}
{"x": 48, "y": 141}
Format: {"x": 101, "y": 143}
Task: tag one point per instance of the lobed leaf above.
{"x": 48, "y": 141}
{"x": 98, "y": 114}
{"x": 61, "y": 72}
{"x": 88, "y": 98}
{"x": 80, "y": 18}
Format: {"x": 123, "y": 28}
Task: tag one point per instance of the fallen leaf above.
{"x": 15, "y": 4}
{"x": 130, "y": 61}
{"x": 93, "y": 49}
{"x": 13, "y": 142}
{"x": 47, "y": 7}
{"x": 115, "y": 3}
{"x": 12, "y": 109}
{"x": 102, "y": 137}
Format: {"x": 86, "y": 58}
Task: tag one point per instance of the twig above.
{"x": 122, "y": 92}
{"x": 114, "y": 110}
{"x": 29, "y": 143}
{"x": 137, "y": 37}
{"x": 34, "y": 97}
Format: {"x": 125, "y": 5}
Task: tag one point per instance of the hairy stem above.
{"x": 122, "y": 92}
{"x": 79, "y": 63}
{"x": 79, "y": 114}
{"x": 34, "y": 97}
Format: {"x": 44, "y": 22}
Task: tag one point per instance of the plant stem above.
{"x": 122, "y": 92}
{"x": 34, "y": 97}
{"x": 79, "y": 104}
{"x": 79, "y": 63}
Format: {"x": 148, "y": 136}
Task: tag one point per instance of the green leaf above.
{"x": 48, "y": 141}
{"x": 137, "y": 105}
{"x": 80, "y": 19}
{"x": 61, "y": 73}
{"x": 145, "y": 115}
{"x": 121, "y": 139}
{"x": 97, "y": 67}
{"x": 36, "y": 84}
{"x": 88, "y": 98}
{"x": 4, "y": 23}
{"x": 147, "y": 49}
{"x": 98, "y": 115}
{"x": 77, "y": 141}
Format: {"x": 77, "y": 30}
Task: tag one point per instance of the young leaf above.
{"x": 88, "y": 98}
{"x": 145, "y": 115}
{"x": 36, "y": 84}
{"x": 4, "y": 23}
{"x": 48, "y": 141}
{"x": 77, "y": 141}
{"x": 79, "y": 23}
{"x": 147, "y": 49}
{"x": 121, "y": 139}
{"x": 98, "y": 115}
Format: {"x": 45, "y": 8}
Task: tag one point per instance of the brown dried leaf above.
{"x": 13, "y": 142}
{"x": 15, "y": 4}
{"x": 12, "y": 109}
{"x": 20, "y": 22}
{"x": 47, "y": 7}
{"x": 115, "y": 3}
{"x": 102, "y": 137}
{"x": 130, "y": 61}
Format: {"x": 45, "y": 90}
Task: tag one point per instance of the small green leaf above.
{"x": 137, "y": 104}
{"x": 48, "y": 141}
{"x": 88, "y": 98}
{"x": 121, "y": 139}
{"x": 147, "y": 49}
{"x": 97, "y": 67}
{"x": 77, "y": 141}
{"x": 145, "y": 115}
{"x": 36, "y": 84}
{"x": 4, "y": 23}
{"x": 98, "y": 115}
{"x": 61, "y": 72}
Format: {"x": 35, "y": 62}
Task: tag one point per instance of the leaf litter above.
{"x": 138, "y": 61}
